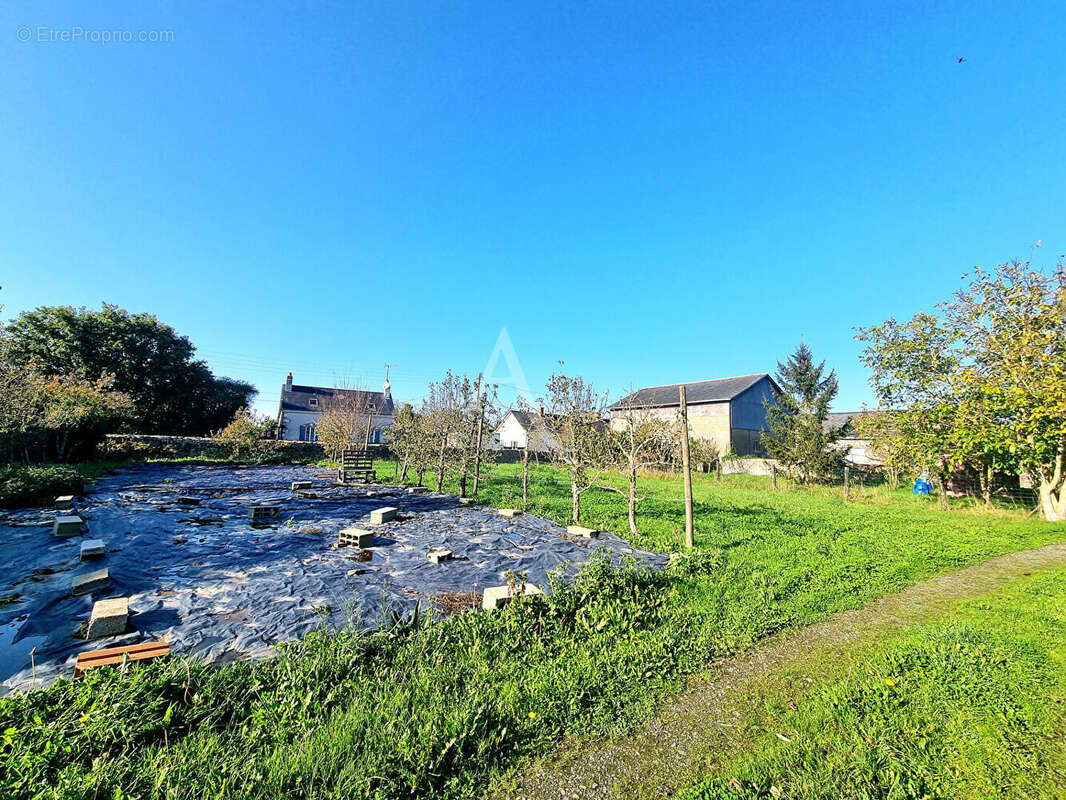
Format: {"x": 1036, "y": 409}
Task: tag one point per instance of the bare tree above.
{"x": 639, "y": 439}
{"x": 344, "y": 419}
{"x": 576, "y": 423}
{"x": 442, "y": 410}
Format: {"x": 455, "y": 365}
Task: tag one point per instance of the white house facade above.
{"x": 521, "y": 429}
{"x": 301, "y": 406}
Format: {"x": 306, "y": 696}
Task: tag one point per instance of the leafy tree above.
{"x": 796, "y": 418}
{"x": 147, "y": 361}
{"x": 984, "y": 381}
{"x": 245, "y": 432}
{"x": 574, "y": 419}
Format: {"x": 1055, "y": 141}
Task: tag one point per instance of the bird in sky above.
{"x": 961, "y": 59}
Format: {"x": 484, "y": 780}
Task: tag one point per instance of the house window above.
{"x": 313, "y": 402}
{"x": 308, "y": 433}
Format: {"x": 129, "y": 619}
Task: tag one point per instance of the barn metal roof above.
{"x": 715, "y": 391}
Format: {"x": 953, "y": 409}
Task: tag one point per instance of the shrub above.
{"x": 31, "y": 485}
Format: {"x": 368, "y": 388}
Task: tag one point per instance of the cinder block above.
{"x": 577, "y": 530}
{"x": 109, "y": 618}
{"x": 65, "y": 501}
{"x": 417, "y": 490}
{"x": 90, "y": 581}
{"x": 189, "y": 501}
{"x": 67, "y": 526}
{"x": 438, "y": 556}
{"x": 307, "y": 495}
{"x": 355, "y": 537}
{"x": 299, "y": 486}
{"x": 382, "y": 515}
{"x": 466, "y": 501}
{"x": 93, "y": 548}
{"x": 510, "y": 513}
{"x": 265, "y": 512}
{"x": 499, "y": 596}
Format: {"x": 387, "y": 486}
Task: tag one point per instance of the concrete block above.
{"x": 417, "y": 490}
{"x": 299, "y": 486}
{"x": 189, "y": 501}
{"x": 466, "y": 501}
{"x": 307, "y": 495}
{"x": 109, "y": 618}
{"x": 439, "y": 556}
{"x": 67, "y": 526}
{"x": 65, "y": 501}
{"x": 265, "y": 512}
{"x": 499, "y": 596}
{"x": 90, "y": 581}
{"x": 382, "y": 515}
{"x": 577, "y": 530}
{"x": 510, "y": 513}
{"x": 93, "y": 548}
{"x": 356, "y": 537}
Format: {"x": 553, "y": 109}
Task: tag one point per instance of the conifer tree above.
{"x": 796, "y": 418}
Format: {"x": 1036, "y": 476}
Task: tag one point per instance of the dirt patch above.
{"x": 696, "y": 728}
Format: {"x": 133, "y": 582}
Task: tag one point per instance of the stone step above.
{"x": 380, "y": 516}
{"x": 67, "y": 526}
{"x": 109, "y": 618}
{"x": 499, "y": 596}
{"x": 88, "y": 582}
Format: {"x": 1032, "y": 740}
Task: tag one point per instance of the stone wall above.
{"x": 121, "y": 445}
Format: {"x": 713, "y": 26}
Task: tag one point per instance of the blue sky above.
{"x": 650, "y": 192}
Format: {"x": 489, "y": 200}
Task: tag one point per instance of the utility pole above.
{"x": 690, "y": 534}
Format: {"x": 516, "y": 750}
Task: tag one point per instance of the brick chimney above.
{"x": 288, "y": 383}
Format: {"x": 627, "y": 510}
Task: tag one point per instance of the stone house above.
{"x": 301, "y": 406}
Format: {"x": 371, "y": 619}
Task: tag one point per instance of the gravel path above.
{"x": 696, "y": 727}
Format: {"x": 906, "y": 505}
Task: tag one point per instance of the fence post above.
{"x": 847, "y": 482}
{"x": 690, "y": 536}
{"x": 773, "y": 477}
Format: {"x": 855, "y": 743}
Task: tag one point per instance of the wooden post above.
{"x": 847, "y": 482}
{"x": 773, "y": 477}
{"x": 480, "y": 431}
{"x": 690, "y": 534}
{"x": 718, "y": 469}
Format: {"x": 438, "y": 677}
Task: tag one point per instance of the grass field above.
{"x": 420, "y": 710}
{"x": 971, "y": 706}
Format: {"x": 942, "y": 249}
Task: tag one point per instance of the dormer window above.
{"x": 313, "y": 402}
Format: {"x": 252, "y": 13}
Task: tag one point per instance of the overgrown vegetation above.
{"x": 439, "y": 710}
{"x": 969, "y": 707}
{"x": 40, "y": 484}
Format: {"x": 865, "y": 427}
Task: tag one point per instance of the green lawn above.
{"x": 440, "y": 710}
{"x": 973, "y": 706}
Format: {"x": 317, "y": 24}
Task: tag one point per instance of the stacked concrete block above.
{"x": 88, "y": 582}
{"x": 379, "y": 516}
{"x": 499, "y": 596}
{"x": 355, "y": 537}
{"x": 66, "y": 526}
{"x": 265, "y": 512}
{"x": 109, "y": 618}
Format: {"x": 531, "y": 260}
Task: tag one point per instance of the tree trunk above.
{"x": 480, "y": 433}
{"x": 773, "y": 477}
{"x": 633, "y": 500}
{"x": 847, "y": 483}
{"x": 942, "y": 490}
{"x": 525, "y": 476}
{"x": 462, "y": 483}
{"x": 575, "y": 500}
{"x": 440, "y": 464}
{"x": 420, "y": 474}
{"x": 1052, "y": 503}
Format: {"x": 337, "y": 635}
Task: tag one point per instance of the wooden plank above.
{"x": 116, "y": 655}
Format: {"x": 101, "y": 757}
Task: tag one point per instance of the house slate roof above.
{"x": 842, "y": 420}
{"x": 299, "y": 399}
{"x": 715, "y": 391}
